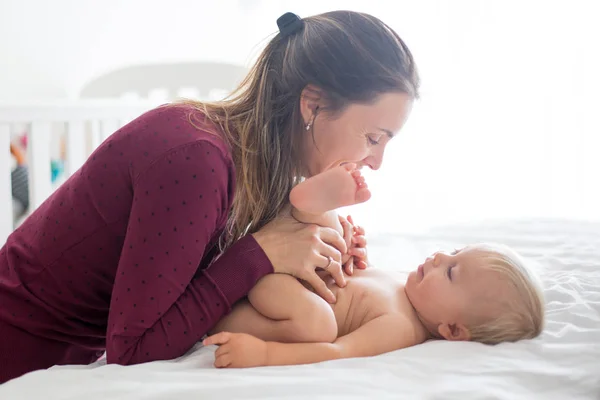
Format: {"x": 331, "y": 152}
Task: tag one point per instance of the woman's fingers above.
{"x": 320, "y": 287}
{"x": 326, "y": 251}
{"x": 333, "y": 238}
{"x": 334, "y": 268}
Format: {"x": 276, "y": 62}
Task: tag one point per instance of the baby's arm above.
{"x": 381, "y": 335}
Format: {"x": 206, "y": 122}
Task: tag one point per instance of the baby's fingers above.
{"x": 358, "y": 252}
{"x": 348, "y": 231}
{"x": 349, "y": 266}
{"x": 223, "y": 361}
{"x": 359, "y": 230}
{"x": 360, "y": 241}
{"x": 218, "y": 339}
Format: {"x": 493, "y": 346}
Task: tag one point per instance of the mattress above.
{"x": 564, "y": 363}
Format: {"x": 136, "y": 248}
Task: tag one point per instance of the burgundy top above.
{"x": 122, "y": 256}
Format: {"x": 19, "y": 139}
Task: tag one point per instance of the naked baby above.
{"x": 483, "y": 293}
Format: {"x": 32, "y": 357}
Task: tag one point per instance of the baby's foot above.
{"x": 338, "y": 187}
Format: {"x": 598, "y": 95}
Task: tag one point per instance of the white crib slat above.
{"x": 109, "y": 126}
{"x": 6, "y": 206}
{"x": 76, "y": 153}
{"x": 38, "y": 159}
{"x": 95, "y": 135}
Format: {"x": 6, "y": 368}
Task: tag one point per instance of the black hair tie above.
{"x": 289, "y": 23}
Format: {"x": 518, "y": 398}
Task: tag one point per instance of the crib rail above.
{"x": 84, "y": 124}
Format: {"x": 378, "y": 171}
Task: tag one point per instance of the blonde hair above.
{"x": 519, "y": 312}
{"x": 352, "y": 57}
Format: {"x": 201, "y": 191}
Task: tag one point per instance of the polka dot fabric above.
{"x": 122, "y": 256}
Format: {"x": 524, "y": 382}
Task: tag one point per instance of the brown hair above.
{"x": 351, "y": 57}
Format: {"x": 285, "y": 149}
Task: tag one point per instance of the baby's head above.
{"x": 484, "y": 293}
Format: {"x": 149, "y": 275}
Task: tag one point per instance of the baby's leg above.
{"x": 338, "y": 187}
{"x": 281, "y": 309}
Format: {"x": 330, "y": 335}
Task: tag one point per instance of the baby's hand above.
{"x": 347, "y": 259}
{"x": 356, "y": 243}
{"x": 358, "y": 248}
{"x": 238, "y": 350}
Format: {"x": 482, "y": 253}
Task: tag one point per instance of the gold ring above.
{"x": 329, "y": 263}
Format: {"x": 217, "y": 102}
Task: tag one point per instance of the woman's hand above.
{"x": 238, "y": 350}
{"x": 298, "y": 249}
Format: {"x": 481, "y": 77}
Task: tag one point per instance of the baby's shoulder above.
{"x": 407, "y": 327}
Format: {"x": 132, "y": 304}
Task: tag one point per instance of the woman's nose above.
{"x": 375, "y": 160}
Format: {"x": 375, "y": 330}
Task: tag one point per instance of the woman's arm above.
{"x": 381, "y": 335}
{"x": 161, "y": 304}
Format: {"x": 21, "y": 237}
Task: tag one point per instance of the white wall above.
{"x": 50, "y": 48}
{"x": 508, "y": 121}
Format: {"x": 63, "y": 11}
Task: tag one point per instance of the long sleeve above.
{"x": 162, "y": 304}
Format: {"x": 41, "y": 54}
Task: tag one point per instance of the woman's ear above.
{"x": 310, "y": 102}
{"x": 454, "y": 332}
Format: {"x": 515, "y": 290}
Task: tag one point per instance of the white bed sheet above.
{"x": 563, "y": 364}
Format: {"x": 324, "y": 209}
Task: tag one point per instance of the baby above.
{"x": 482, "y": 293}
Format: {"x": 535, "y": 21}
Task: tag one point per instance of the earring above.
{"x": 313, "y": 120}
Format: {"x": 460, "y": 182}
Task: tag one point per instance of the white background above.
{"x": 507, "y": 126}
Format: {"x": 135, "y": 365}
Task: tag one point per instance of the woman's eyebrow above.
{"x": 387, "y": 131}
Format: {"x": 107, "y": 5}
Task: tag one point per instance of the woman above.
{"x": 178, "y": 214}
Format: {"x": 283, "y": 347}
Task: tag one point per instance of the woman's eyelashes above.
{"x": 373, "y": 139}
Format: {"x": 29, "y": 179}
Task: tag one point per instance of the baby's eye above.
{"x": 449, "y": 272}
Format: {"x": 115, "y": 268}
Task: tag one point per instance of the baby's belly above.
{"x": 349, "y": 312}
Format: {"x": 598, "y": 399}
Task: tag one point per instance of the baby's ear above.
{"x": 454, "y": 332}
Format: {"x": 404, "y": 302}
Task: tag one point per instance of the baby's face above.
{"x": 446, "y": 285}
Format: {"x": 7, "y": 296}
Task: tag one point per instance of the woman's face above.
{"x": 359, "y": 134}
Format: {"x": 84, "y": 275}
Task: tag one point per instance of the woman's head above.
{"x": 327, "y": 89}
{"x": 484, "y": 293}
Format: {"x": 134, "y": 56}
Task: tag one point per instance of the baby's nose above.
{"x": 434, "y": 259}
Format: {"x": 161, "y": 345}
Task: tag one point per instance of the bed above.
{"x": 564, "y": 363}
